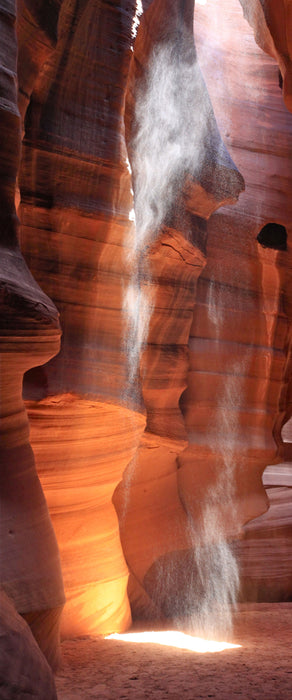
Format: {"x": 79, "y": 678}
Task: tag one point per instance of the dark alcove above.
{"x": 273, "y": 236}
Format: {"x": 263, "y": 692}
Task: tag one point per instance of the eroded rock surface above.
{"x": 79, "y": 241}
{"x": 238, "y": 392}
{"x": 29, "y": 335}
{"x": 272, "y": 24}
{"x": 24, "y": 671}
{"x": 93, "y": 444}
{"x": 265, "y": 552}
{"x": 117, "y": 117}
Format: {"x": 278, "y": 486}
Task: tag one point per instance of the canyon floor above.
{"x": 260, "y": 668}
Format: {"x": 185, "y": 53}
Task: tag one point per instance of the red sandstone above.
{"x": 119, "y": 483}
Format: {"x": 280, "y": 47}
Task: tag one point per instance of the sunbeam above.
{"x": 173, "y": 638}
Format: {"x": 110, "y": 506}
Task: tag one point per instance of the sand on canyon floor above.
{"x": 260, "y": 668}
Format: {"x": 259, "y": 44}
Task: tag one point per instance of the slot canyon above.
{"x": 145, "y": 348}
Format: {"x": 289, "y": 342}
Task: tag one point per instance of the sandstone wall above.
{"x": 211, "y": 376}
{"x": 238, "y": 389}
{"x": 29, "y": 335}
{"x": 272, "y": 23}
{"x": 75, "y": 202}
{"x": 76, "y": 198}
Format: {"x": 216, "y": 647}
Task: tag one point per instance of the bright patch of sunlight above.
{"x": 171, "y": 638}
{"x": 136, "y": 19}
{"x": 201, "y": 2}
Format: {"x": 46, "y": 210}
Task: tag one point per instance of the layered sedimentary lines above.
{"x": 93, "y": 443}
{"x": 272, "y": 24}
{"x": 123, "y": 169}
{"x": 180, "y": 163}
{"x": 76, "y": 194}
{"x": 265, "y": 551}
{"x": 9, "y": 115}
{"x": 76, "y": 198}
{"x": 240, "y": 330}
{"x": 77, "y": 233}
{"x": 181, "y": 174}
{"x": 29, "y": 335}
{"x": 153, "y": 508}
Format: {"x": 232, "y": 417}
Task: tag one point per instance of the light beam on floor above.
{"x": 172, "y": 638}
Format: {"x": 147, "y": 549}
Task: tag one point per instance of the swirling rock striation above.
{"x": 75, "y": 203}
{"x": 78, "y": 236}
{"x": 106, "y": 108}
{"x": 237, "y": 394}
{"x": 183, "y": 194}
{"x": 29, "y": 335}
{"x": 93, "y": 443}
{"x": 265, "y": 552}
{"x": 271, "y": 21}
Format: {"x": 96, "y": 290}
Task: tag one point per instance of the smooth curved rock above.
{"x": 201, "y": 178}
{"x": 272, "y": 24}
{"x": 167, "y": 100}
{"x": 79, "y": 470}
{"x": 77, "y": 234}
{"x": 24, "y": 671}
{"x": 265, "y": 552}
{"x": 175, "y": 264}
{"x": 148, "y": 504}
{"x": 75, "y": 204}
{"x": 238, "y": 382}
{"x": 37, "y": 27}
{"x": 29, "y": 335}
{"x": 217, "y": 327}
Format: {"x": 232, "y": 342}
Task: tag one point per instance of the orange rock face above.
{"x": 272, "y": 24}
{"x": 79, "y": 241}
{"x": 237, "y": 385}
{"x": 173, "y": 315}
{"x": 29, "y": 335}
{"x": 93, "y": 443}
{"x": 265, "y": 551}
{"x": 75, "y": 209}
